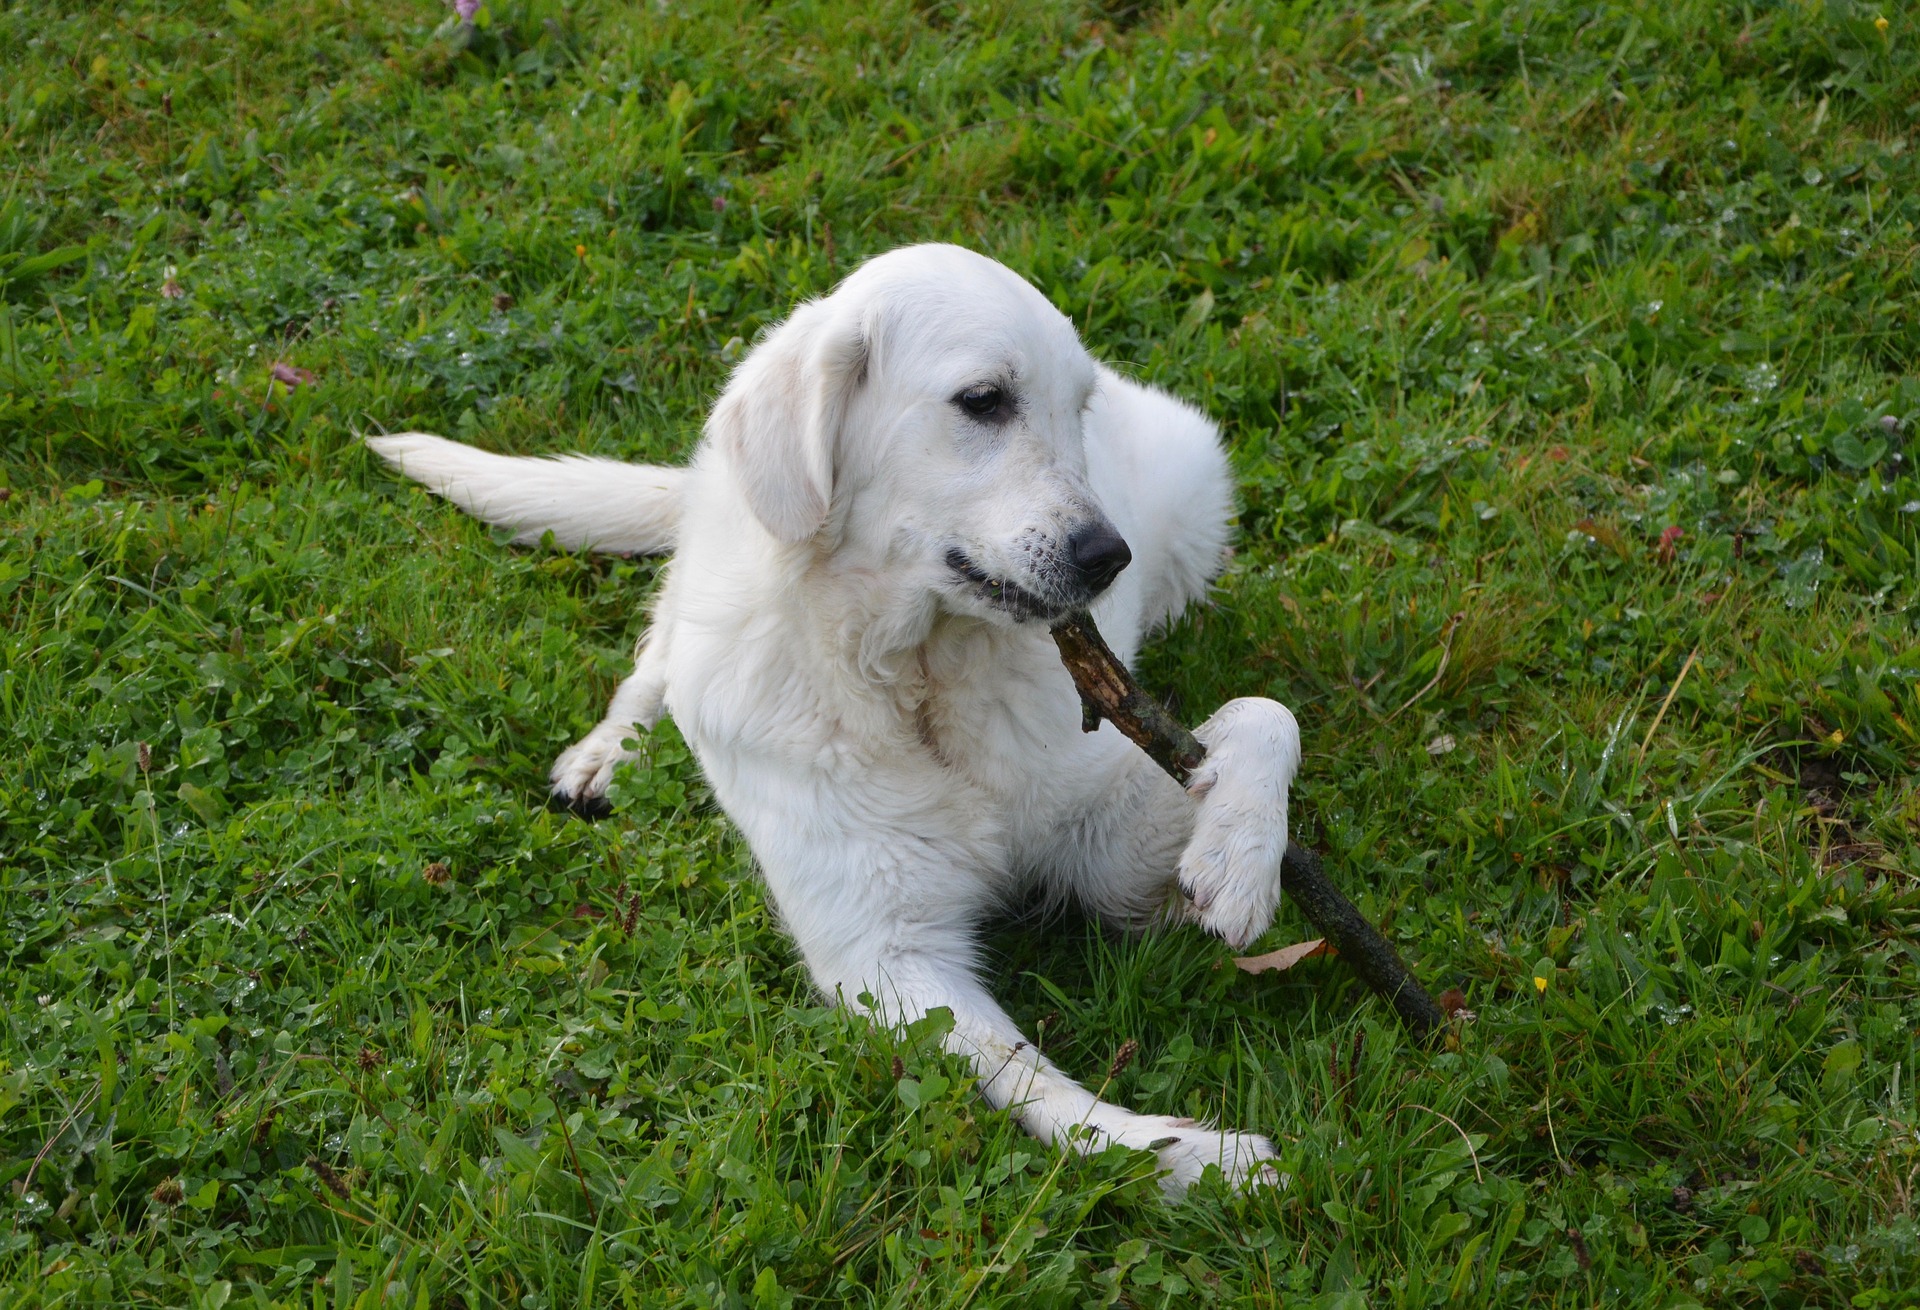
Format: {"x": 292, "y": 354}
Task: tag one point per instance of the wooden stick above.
{"x": 1108, "y": 691}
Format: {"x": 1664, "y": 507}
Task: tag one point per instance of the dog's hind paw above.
{"x": 584, "y": 771}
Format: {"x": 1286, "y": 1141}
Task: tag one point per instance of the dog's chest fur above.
{"x": 997, "y": 712}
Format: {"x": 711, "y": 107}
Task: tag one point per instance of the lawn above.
{"x": 1567, "y": 355}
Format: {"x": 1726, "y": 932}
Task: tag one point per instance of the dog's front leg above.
{"x": 1230, "y": 869}
{"x": 887, "y": 928}
{"x": 1219, "y": 843}
{"x": 1014, "y": 1076}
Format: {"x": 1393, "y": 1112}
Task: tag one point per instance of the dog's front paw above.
{"x": 585, "y": 769}
{"x": 1230, "y": 870}
{"x": 1186, "y": 1148}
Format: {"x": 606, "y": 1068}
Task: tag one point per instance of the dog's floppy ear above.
{"x": 779, "y": 419}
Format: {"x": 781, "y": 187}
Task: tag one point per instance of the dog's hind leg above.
{"x": 585, "y": 769}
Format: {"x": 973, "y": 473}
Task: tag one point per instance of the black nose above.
{"x": 1099, "y": 554}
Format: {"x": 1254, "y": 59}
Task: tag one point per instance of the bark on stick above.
{"x": 1108, "y": 691}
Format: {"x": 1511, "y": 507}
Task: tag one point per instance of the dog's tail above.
{"x": 586, "y": 503}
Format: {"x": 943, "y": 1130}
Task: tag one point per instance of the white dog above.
{"x": 899, "y": 490}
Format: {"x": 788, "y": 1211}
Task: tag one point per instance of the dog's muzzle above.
{"x": 1094, "y": 556}
{"x": 1001, "y": 593}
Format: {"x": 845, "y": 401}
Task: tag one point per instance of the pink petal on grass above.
{"x": 293, "y": 378}
{"x": 1284, "y": 958}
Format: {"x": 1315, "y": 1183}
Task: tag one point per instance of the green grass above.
{"x": 1487, "y": 298}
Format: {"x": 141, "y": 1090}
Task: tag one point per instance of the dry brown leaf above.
{"x": 1284, "y": 958}
{"x": 1607, "y": 535}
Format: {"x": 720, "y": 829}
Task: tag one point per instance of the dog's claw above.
{"x": 583, "y": 807}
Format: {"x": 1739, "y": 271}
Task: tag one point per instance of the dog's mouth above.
{"x": 1016, "y": 601}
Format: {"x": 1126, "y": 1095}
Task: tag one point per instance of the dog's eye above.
{"x": 983, "y": 401}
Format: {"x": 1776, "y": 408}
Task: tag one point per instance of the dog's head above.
{"x": 926, "y": 420}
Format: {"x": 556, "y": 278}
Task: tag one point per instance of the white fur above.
{"x": 894, "y": 735}
{"x": 633, "y": 510}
